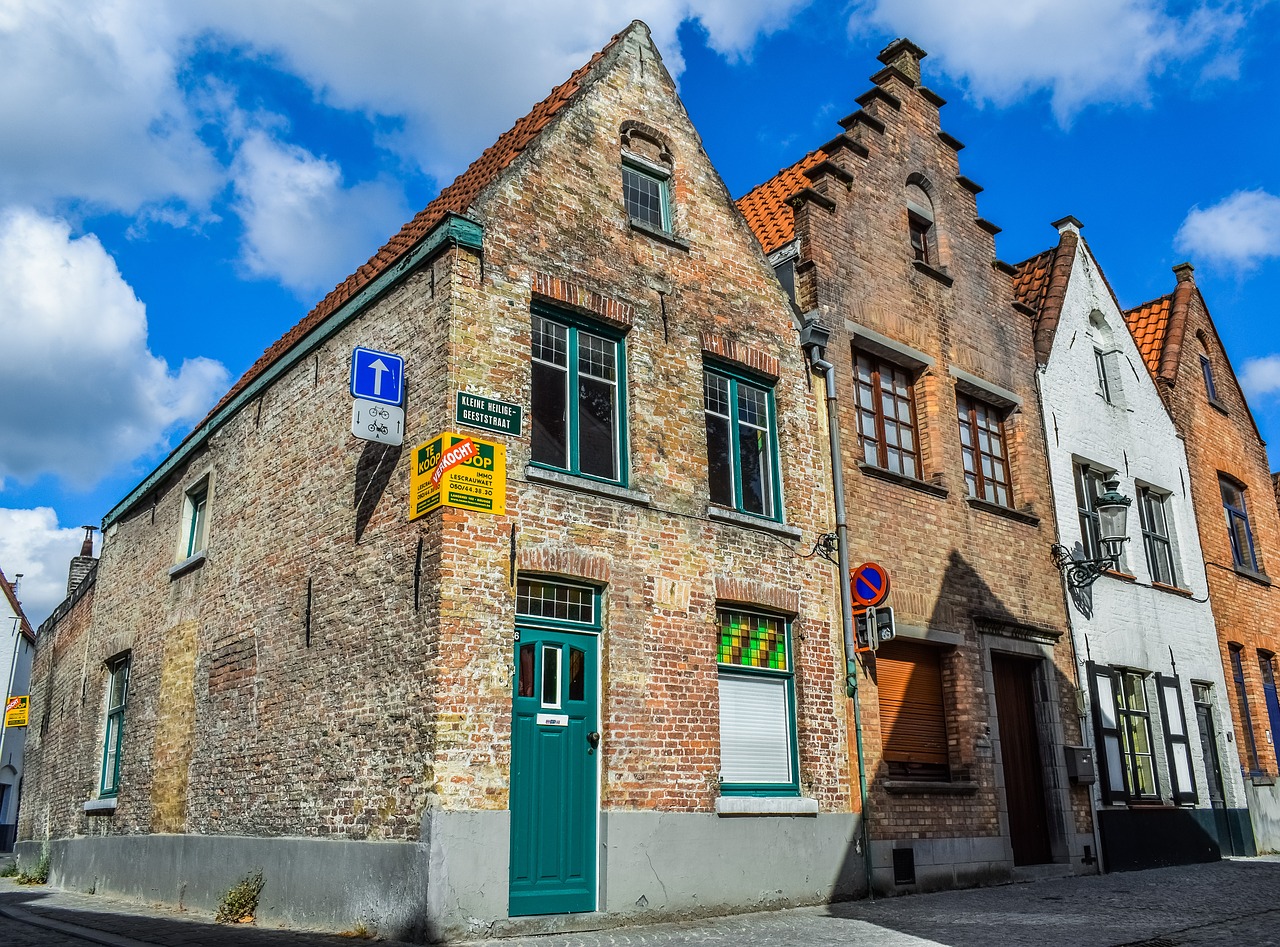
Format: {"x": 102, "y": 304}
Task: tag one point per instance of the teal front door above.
{"x": 554, "y": 749}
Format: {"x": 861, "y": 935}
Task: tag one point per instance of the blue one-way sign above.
{"x": 377, "y": 376}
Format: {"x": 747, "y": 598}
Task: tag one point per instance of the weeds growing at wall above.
{"x": 240, "y": 904}
{"x": 38, "y": 875}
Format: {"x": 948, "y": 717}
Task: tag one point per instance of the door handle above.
{"x": 594, "y": 739}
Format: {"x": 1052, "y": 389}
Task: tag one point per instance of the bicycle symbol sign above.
{"x": 372, "y": 421}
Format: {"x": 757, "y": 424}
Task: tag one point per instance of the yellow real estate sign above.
{"x": 15, "y": 711}
{"x": 459, "y": 471}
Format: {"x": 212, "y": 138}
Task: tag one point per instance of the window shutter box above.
{"x": 913, "y": 722}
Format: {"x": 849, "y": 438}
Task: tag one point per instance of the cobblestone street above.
{"x": 1230, "y": 902}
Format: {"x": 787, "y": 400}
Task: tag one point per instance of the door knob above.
{"x": 594, "y": 739}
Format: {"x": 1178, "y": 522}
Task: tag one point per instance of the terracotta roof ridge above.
{"x": 1046, "y": 325}
{"x": 1177, "y": 329}
{"x": 791, "y": 168}
{"x": 1150, "y": 302}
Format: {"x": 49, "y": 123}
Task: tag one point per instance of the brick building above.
{"x": 1142, "y": 627}
{"x": 618, "y": 695}
{"x": 968, "y": 710}
{"x": 1235, "y": 501}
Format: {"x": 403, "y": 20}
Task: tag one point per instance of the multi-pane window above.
{"x": 644, "y": 192}
{"x": 576, "y": 399}
{"x": 117, "y": 693}
{"x": 1088, "y": 489}
{"x": 740, "y": 443}
{"x": 757, "y": 704}
{"x": 983, "y": 451}
{"x": 1242, "y": 550}
{"x": 195, "y": 519}
{"x": 1153, "y": 512}
{"x": 1242, "y": 700}
{"x": 886, "y": 415}
{"x": 1104, "y": 380}
{"x": 1124, "y": 729}
{"x": 559, "y": 601}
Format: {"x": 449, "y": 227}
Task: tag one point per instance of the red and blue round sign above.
{"x": 869, "y": 583}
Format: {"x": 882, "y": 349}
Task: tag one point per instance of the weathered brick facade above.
{"x": 1175, "y": 332}
{"x": 329, "y": 669}
{"x": 973, "y": 577}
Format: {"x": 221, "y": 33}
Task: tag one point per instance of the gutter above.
{"x": 454, "y": 230}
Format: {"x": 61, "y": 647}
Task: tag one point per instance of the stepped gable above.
{"x": 765, "y": 205}
{"x": 455, "y": 198}
{"x": 1149, "y": 324}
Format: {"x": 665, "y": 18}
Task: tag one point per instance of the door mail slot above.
{"x": 553, "y": 720}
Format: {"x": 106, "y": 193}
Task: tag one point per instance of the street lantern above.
{"x": 1113, "y": 520}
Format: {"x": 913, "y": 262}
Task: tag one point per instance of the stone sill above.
{"x": 104, "y": 806}
{"x": 727, "y": 806}
{"x": 586, "y": 485}
{"x": 924, "y": 486}
{"x": 1263, "y": 780}
{"x": 1260, "y": 577}
{"x": 899, "y": 787}
{"x": 1020, "y": 516}
{"x": 663, "y": 235}
{"x": 186, "y": 565}
{"x": 928, "y": 270}
{"x": 1121, "y": 576}
{"x": 1219, "y": 405}
{"x": 1173, "y": 589}
{"x": 722, "y": 515}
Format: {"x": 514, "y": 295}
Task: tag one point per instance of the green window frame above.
{"x": 113, "y": 739}
{"x": 195, "y": 519}
{"x": 742, "y": 443}
{"x": 578, "y": 398}
{"x": 756, "y": 684}
{"x": 646, "y": 193}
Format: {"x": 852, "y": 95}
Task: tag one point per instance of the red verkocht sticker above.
{"x": 459, "y": 453}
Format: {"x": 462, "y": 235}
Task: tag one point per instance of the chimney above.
{"x": 1184, "y": 273}
{"x": 904, "y": 56}
{"x": 82, "y": 563}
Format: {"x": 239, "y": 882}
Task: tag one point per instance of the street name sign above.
{"x": 373, "y": 421}
{"x": 377, "y": 376}
{"x": 488, "y": 413}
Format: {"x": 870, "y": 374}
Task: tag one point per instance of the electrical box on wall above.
{"x": 1080, "y": 766}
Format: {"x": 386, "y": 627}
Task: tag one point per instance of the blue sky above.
{"x": 180, "y": 183}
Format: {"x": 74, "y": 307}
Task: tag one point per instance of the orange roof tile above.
{"x": 1031, "y": 279}
{"x": 1149, "y": 324}
{"x": 765, "y": 205}
{"x": 456, "y": 198}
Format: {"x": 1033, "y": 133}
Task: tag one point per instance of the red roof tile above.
{"x": 765, "y": 205}
{"x": 456, "y": 198}
{"x": 1149, "y": 324}
{"x": 1031, "y": 279}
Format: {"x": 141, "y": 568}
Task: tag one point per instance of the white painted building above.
{"x": 1150, "y": 674}
{"x": 17, "y": 645}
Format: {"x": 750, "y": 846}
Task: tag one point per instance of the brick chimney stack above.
{"x": 82, "y": 563}
{"x": 904, "y": 56}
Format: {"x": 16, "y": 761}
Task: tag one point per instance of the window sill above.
{"x": 1008, "y": 512}
{"x": 586, "y": 485}
{"x": 937, "y": 274}
{"x": 871, "y": 470}
{"x": 187, "y": 564}
{"x": 728, "y": 806}
{"x": 1260, "y": 577}
{"x": 1263, "y": 780}
{"x": 103, "y": 806}
{"x": 899, "y": 787}
{"x": 1219, "y": 405}
{"x": 723, "y": 515}
{"x": 1173, "y": 589}
{"x": 665, "y": 236}
{"x": 1121, "y": 576}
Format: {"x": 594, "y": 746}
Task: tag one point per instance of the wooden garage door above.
{"x": 913, "y": 722}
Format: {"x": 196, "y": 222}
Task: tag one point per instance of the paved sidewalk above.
{"x": 1232, "y": 902}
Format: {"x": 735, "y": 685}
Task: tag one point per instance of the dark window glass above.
{"x": 740, "y": 432}
{"x": 549, "y": 396}
{"x": 645, "y": 196}
{"x": 1155, "y": 536}
{"x": 886, "y": 415}
{"x": 524, "y": 686}
{"x": 1207, "y": 371}
{"x": 559, "y": 600}
{"x": 577, "y": 674}
{"x": 1088, "y": 489}
{"x": 1238, "y": 529}
{"x": 1104, "y": 382}
{"x": 983, "y": 452}
{"x": 919, "y": 230}
{"x": 550, "y": 675}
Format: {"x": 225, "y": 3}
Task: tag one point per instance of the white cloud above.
{"x": 34, "y": 545}
{"x": 1241, "y": 230}
{"x": 1086, "y": 52}
{"x": 1260, "y": 377}
{"x": 91, "y": 108}
{"x": 300, "y": 224}
{"x": 82, "y": 393}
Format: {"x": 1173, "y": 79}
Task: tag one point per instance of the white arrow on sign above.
{"x": 378, "y": 366}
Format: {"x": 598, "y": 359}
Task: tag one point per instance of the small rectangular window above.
{"x": 576, "y": 399}
{"x": 741, "y": 441}
{"x": 557, "y": 601}
{"x": 1206, "y": 370}
{"x": 757, "y": 705}
{"x": 195, "y": 519}
{"x": 113, "y": 742}
{"x": 919, "y": 229}
{"x": 644, "y": 192}
{"x": 1156, "y": 536}
{"x": 886, "y": 404}
{"x": 1104, "y": 381}
{"x": 1243, "y": 552}
{"x": 983, "y": 451}
{"x": 1088, "y": 489}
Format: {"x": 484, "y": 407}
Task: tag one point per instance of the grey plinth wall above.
{"x": 1264, "y": 811}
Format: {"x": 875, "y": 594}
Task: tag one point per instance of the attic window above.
{"x": 647, "y": 165}
{"x": 920, "y": 226}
